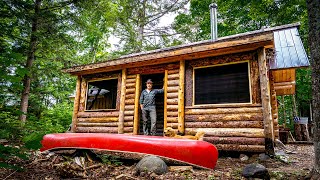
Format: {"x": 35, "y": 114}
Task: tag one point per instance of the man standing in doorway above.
{"x": 148, "y": 107}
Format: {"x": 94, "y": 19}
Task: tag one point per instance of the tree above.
{"x": 138, "y": 22}
{"x": 237, "y": 16}
{"x": 314, "y": 45}
{"x": 39, "y": 38}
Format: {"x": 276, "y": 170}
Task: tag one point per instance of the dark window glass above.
{"x": 102, "y": 94}
{"x": 222, "y": 84}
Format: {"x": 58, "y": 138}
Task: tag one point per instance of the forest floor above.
{"x": 229, "y": 166}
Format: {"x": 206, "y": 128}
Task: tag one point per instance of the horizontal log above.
{"x": 98, "y": 120}
{"x": 97, "y": 130}
{"x": 173, "y": 76}
{"x": 131, "y": 76}
{"x": 173, "y": 89}
{"x": 128, "y": 113}
{"x": 172, "y": 113}
{"x": 284, "y": 83}
{"x": 225, "y": 124}
{"x": 130, "y": 96}
{"x": 129, "y": 107}
{"x": 128, "y": 129}
{"x": 172, "y": 95}
{"x": 173, "y": 83}
{"x": 133, "y": 80}
{"x": 229, "y": 132}
{"x": 130, "y": 91}
{"x": 172, "y": 119}
{"x": 129, "y": 101}
{"x": 112, "y": 124}
{"x": 223, "y": 111}
{"x": 172, "y": 101}
{"x": 235, "y": 140}
{"x": 214, "y": 106}
{"x": 130, "y": 85}
{"x": 225, "y": 117}
{"x": 128, "y": 118}
{"x": 113, "y": 113}
{"x": 283, "y": 87}
{"x": 173, "y": 71}
{"x": 172, "y": 107}
{"x": 239, "y": 148}
{"x": 173, "y": 125}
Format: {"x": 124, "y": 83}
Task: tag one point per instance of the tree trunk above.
{"x": 313, "y": 7}
{"x": 30, "y": 59}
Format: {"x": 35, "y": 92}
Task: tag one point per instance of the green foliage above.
{"x": 10, "y": 127}
{"x": 54, "y": 120}
{"x": 109, "y": 159}
{"x": 11, "y": 152}
{"x": 237, "y": 16}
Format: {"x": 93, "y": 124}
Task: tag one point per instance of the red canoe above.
{"x": 197, "y": 153}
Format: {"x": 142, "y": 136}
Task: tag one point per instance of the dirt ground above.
{"x": 229, "y": 166}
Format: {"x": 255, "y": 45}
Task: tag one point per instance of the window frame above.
{"x": 223, "y": 64}
{"x": 86, "y": 96}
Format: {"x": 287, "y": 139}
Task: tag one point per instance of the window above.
{"x": 222, "y": 84}
{"x": 102, "y": 94}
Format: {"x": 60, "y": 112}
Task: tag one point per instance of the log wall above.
{"x": 129, "y": 108}
{"x": 172, "y": 98}
{"x": 98, "y": 121}
{"x": 231, "y": 127}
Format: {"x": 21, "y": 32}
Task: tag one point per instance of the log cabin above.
{"x": 225, "y": 87}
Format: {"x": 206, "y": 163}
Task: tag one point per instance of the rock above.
{"x": 152, "y": 164}
{"x": 282, "y": 156}
{"x": 255, "y": 171}
{"x": 244, "y": 157}
{"x": 263, "y": 157}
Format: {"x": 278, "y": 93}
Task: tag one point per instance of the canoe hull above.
{"x": 197, "y": 153}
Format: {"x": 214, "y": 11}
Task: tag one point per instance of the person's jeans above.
{"x": 146, "y": 113}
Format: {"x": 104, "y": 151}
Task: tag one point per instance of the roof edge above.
{"x": 221, "y": 39}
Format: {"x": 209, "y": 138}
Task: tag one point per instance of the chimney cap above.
{"x": 213, "y": 5}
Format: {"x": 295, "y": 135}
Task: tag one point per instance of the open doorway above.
{"x": 157, "y": 84}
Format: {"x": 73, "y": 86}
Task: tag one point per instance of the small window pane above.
{"x": 102, "y": 94}
{"x": 222, "y": 84}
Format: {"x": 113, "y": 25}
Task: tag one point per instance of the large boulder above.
{"x": 255, "y": 171}
{"x": 152, "y": 164}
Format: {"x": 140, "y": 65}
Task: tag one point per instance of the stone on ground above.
{"x": 263, "y": 157}
{"x": 152, "y": 164}
{"x": 244, "y": 157}
{"x": 255, "y": 171}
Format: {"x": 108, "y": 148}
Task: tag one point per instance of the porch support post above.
{"x": 266, "y": 102}
{"x": 181, "y": 97}
{"x": 165, "y": 111}
{"x": 136, "y": 105}
{"x": 76, "y": 105}
{"x": 122, "y": 101}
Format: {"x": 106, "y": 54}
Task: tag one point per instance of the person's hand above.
{"x": 141, "y": 106}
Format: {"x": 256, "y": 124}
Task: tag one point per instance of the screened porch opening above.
{"x": 222, "y": 84}
{"x": 102, "y": 94}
